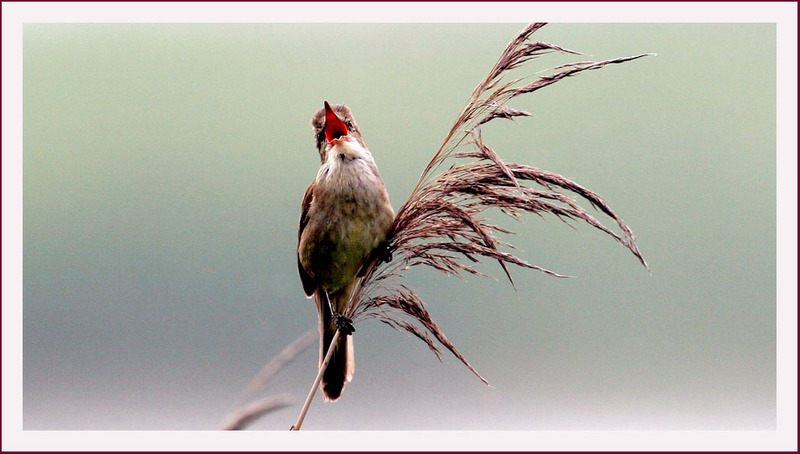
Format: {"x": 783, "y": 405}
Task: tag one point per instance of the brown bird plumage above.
{"x": 345, "y": 217}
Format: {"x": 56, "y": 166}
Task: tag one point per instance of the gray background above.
{"x": 163, "y": 170}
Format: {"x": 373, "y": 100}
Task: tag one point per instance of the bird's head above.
{"x": 332, "y": 125}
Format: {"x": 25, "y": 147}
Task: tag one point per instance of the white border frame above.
{"x": 15, "y": 14}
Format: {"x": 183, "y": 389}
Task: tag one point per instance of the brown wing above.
{"x": 309, "y": 286}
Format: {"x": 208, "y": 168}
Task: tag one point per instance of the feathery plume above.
{"x": 441, "y": 225}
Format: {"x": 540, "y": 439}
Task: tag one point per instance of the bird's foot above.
{"x": 381, "y": 253}
{"x": 344, "y": 324}
{"x": 384, "y": 252}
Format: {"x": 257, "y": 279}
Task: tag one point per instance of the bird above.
{"x": 344, "y": 221}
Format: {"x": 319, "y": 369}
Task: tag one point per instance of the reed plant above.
{"x": 443, "y": 224}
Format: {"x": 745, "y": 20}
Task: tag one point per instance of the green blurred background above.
{"x": 163, "y": 170}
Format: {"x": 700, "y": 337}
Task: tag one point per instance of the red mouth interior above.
{"x": 334, "y": 127}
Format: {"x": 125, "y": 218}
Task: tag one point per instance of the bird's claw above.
{"x": 381, "y": 253}
{"x": 384, "y": 252}
{"x": 344, "y": 324}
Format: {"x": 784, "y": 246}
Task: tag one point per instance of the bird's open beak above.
{"x": 334, "y": 127}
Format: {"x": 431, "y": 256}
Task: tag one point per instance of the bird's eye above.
{"x": 349, "y": 125}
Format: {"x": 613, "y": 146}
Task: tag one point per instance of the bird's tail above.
{"x": 340, "y": 368}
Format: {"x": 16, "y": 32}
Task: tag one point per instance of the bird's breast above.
{"x": 350, "y": 215}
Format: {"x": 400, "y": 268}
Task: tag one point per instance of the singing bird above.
{"x": 344, "y": 221}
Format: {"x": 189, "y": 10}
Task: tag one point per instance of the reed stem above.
{"x": 314, "y": 387}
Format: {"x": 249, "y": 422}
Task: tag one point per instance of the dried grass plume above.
{"x": 441, "y": 225}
